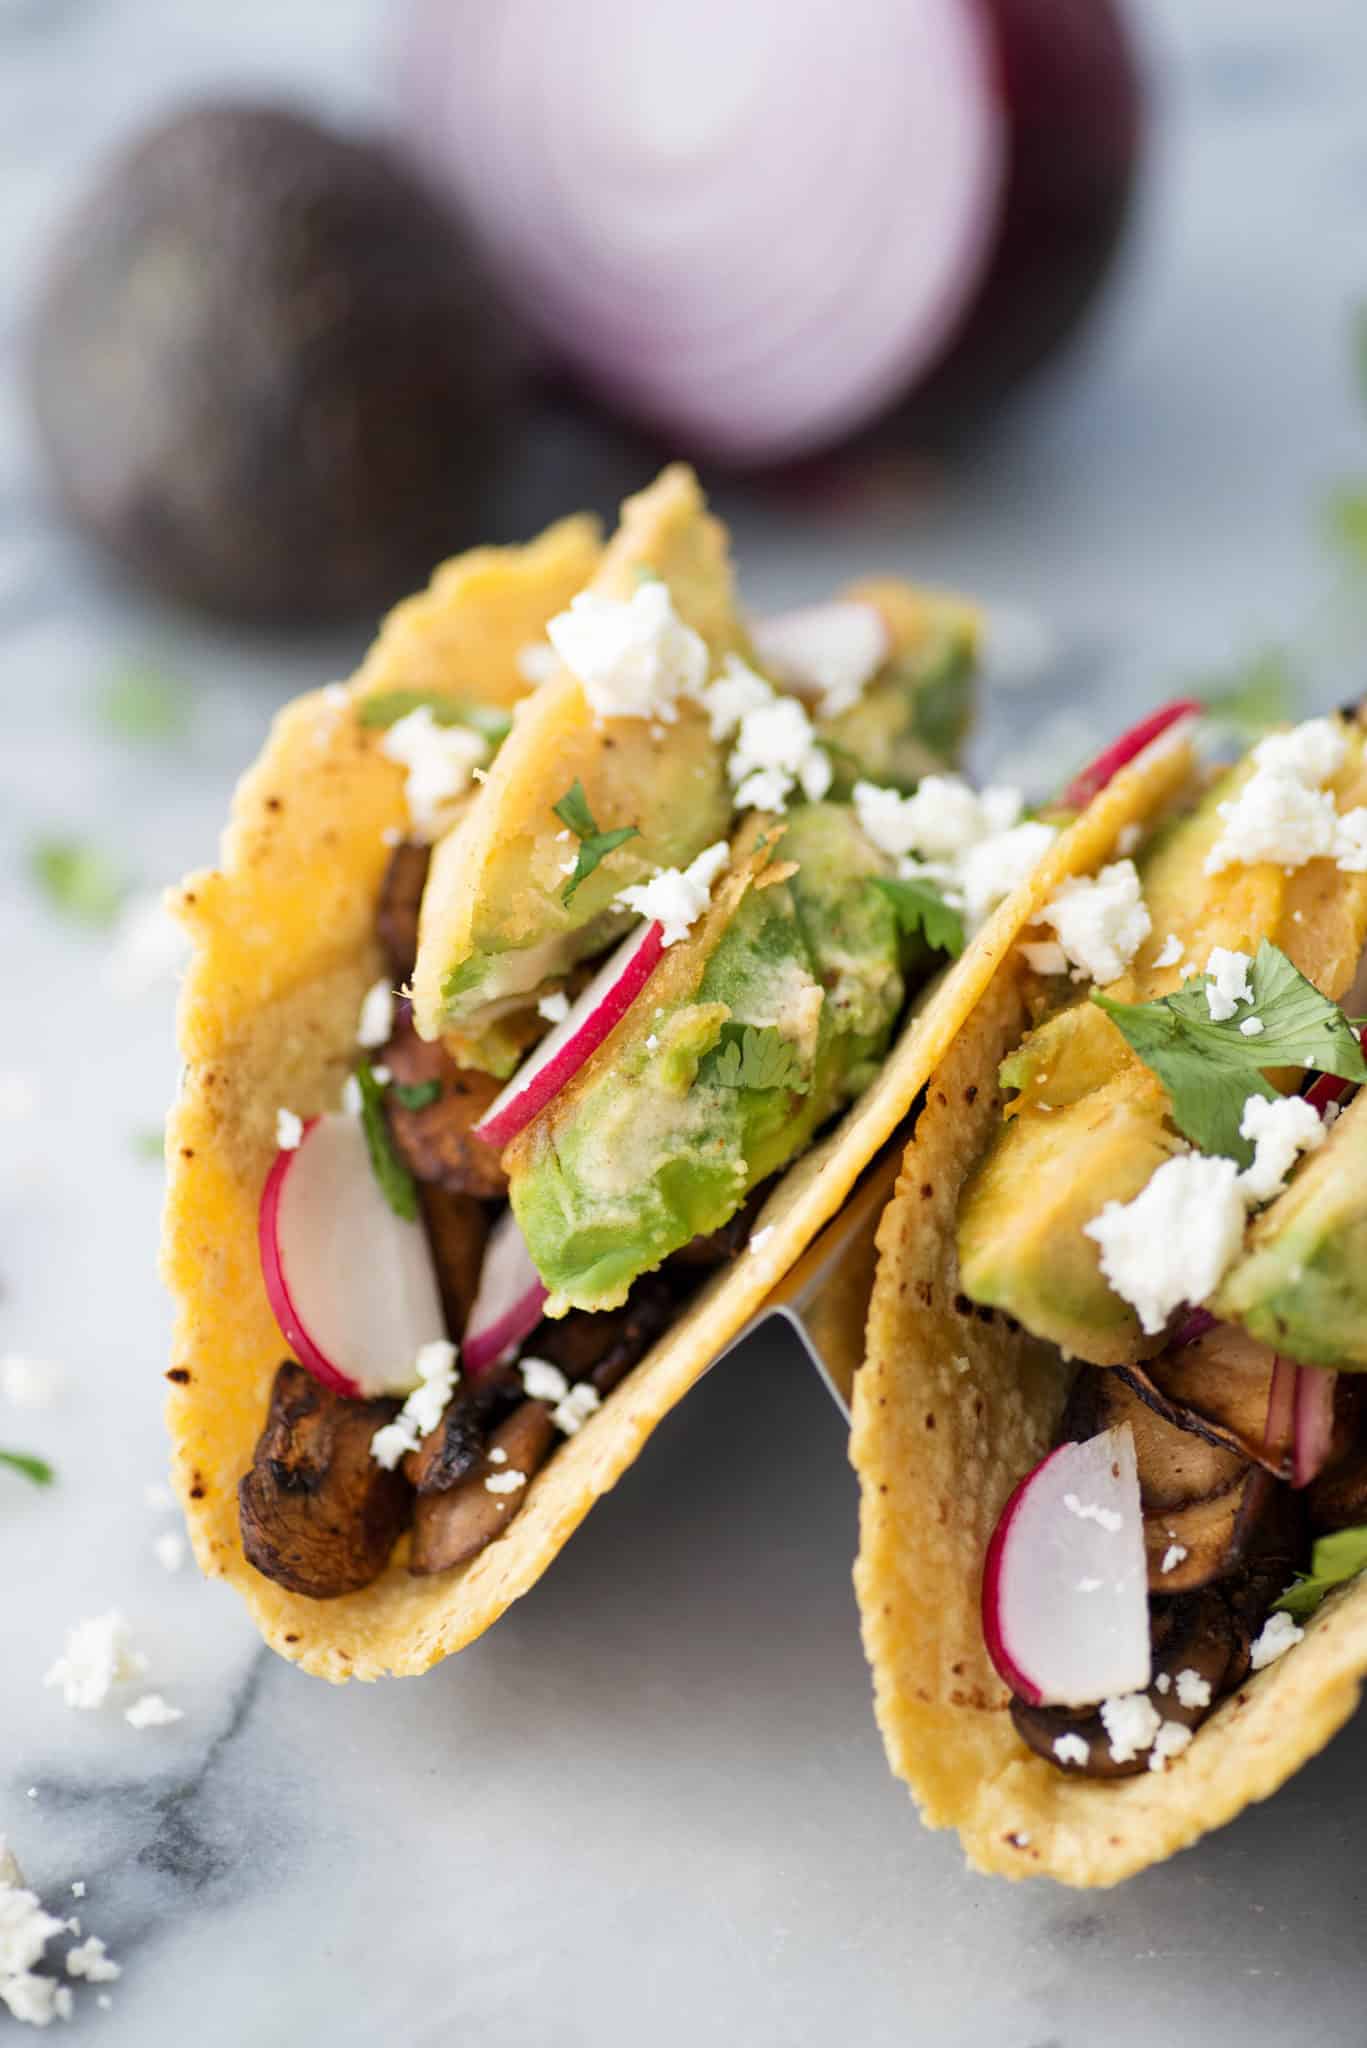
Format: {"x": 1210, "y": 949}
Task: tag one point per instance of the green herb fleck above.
{"x": 1345, "y": 522}
{"x": 1334, "y": 1559}
{"x": 36, "y": 1469}
{"x": 77, "y": 879}
{"x": 756, "y": 1056}
{"x": 920, "y": 907}
{"x": 1246, "y": 701}
{"x": 396, "y": 1182}
{"x": 1211, "y": 1069}
{"x": 416, "y": 1095}
{"x": 386, "y": 708}
{"x": 148, "y": 1144}
{"x": 144, "y": 702}
{"x": 573, "y": 811}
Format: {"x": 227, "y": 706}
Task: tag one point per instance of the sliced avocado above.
{"x": 722, "y": 1071}
{"x": 1091, "y": 1122}
{"x": 495, "y": 923}
{"x": 1300, "y": 1284}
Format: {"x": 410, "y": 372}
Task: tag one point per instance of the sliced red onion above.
{"x": 1281, "y": 1412}
{"x": 1314, "y": 1426}
{"x": 1192, "y": 1327}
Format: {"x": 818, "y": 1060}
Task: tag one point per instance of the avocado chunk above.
{"x": 268, "y": 370}
{"x": 496, "y": 928}
{"x": 1091, "y": 1123}
{"x": 751, "y": 1034}
{"x": 1300, "y": 1284}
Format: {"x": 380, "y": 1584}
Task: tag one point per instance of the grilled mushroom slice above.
{"x": 317, "y": 1514}
{"x": 603, "y": 1347}
{"x": 457, "y": 1229}
{"x": 396, "y": 921}
{"x": 435, "y": 1140}
{"x": 1217, "y": 1387}
{"x": 454, "y": 1448}
{"x": 1194, "y": 1648}
{"x": 1338, "y": 1498}
{"x": 453, "y": 1525}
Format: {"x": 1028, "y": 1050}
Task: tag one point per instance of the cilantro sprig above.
{"x": 919, "y": 907}
{"x": 77, "y": 879}
{"x": 387, "y": 707}
{"x": 416, "y": 1094}
{"x": 1334, "y": 1560}
{"x": 594, "y": 846}
{"x": 756, "y": 1056}
{"x": 396, "y": 1183}
{"x": 143, "y": 702}
{"x": 1210, "y": 1069}
{"x": 35, "y": 1469}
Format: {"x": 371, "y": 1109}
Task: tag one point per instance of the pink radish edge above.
{"x": 1314, "y": 1425}
{"x": 563, "y": 1051}
{"x": 1090, "y": 781}
{"x": 277, "y": 1287}
{"x": 1007, "y": 1669}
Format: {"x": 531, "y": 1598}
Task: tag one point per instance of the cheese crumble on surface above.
{"x": 92, "y": 1962}
{"x": 1172, "y": 1557}
{"x": 774, "y": 754}
{"x": 677, "y": 897}
{"x": 98, "y": 1656}
{"x": 1227, "y": 983}
{"x": 1045, "y": 956}
{"x": 1171, "y": 953}
{"x": 289, "y": 1130}
{"x": 435, "y": 1366}
{"x": 833, "y": 649}
{"x": 633, "y": 657}
{"x": 1172, "y": 1738}
{"x": 1252, "y": 1027}
{"x": 375, "y": 1024}
{"x": 971, "y": 845}
{"x": 1192, "y": 1689}
{"x": 1072, "y": 1749}
{"x": 1131, "y": 1721}
{"x": 1173, "y": 1242}
{"x": 1280, "y": 1633}
{"x": 505, "y": 1482}
{"x": 1280, "y": 1131}
{"x": 1090, "y": 1511}
{"x": 555, "y": 1007}
{"x": 542, "y": 1381}
{"x": 1101, "y": 921}
{"x": 440, "y": 760}
{"x": 574, "y": 1411}
{"x": 1283, "y": 813}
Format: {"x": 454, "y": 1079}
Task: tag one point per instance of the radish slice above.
{"x": 1108, "y": 764}
{"x": 508, "y": 1300}
{"x": 351, "y": 1284}
{"x": 636, "y": 175}
{"x": 1314, "y": 1427}
{"x": 1281, "y": 1411}
{"x": 563, "y": 1051}
{"x": 1065, "y": 1585}
{"x": 825, "y": 651}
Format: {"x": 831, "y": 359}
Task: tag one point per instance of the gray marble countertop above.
{"x": 653, "y": 1800}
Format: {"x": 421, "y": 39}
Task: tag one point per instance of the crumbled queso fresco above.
{"x": 1284, "y": 813}
{"x": 1101, "y": 921}
{"x": 1172, "y": 1243}
{"x": 633, "y": 659}
{"x": 441, "y": 761}
{"x": 831, "y": 650}
{"x": 1227, "y": 983}
{"x": 972, "y": 846}
{"x": 1280, "y": 1633}
{"x": 677, "y": 896}
{"x": 422, "y": 1411}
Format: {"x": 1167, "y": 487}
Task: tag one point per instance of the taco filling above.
{"x": 650, "y": 930}
{"x": 1152, "y": 1235}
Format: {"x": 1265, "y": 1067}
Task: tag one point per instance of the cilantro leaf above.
{"x": 1211, "y": 1069}
{"x": 919, "y": 907}
{"x": 1245, "y": 702}
{"x": 387, "y": 707}
{"x": 143, "y": 702}
{"x": 396, "y": 1182}
{"x": 1335, "y": 1559}
{"x": 36, "y": 1469}
{"x": 77, "y": 879}
{"x": 756, "y": 1056}
{"x": 416, "y": 1095}
{"x": 594, "y": 846}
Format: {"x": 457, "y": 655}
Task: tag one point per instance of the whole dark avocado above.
{"x": 267, "y": 370}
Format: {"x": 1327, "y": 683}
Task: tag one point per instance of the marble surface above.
{"x": 652, "y": 1800}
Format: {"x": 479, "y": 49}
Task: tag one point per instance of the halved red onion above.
{"x": 1065, "y": 1601}
{"x": 1193, "y": 1326}
{"x": 1314, "y": 1426}
{"x": 508, "y": 1300}
{"x": 1090, "y": 781}
{"x": 563, "y": 1051}
{"x": 351, "y": 1284}
{"x": 1281, "y": 1412}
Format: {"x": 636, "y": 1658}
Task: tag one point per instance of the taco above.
{"x": 1109, "y": 1435}
{"x": 556, "y": 984}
